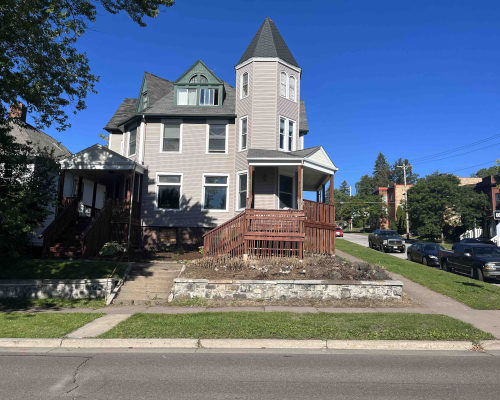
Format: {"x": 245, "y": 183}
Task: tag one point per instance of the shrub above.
{"x": 112, "y": 249}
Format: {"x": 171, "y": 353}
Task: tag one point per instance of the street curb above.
{"x": 413, "y": 345}
{"x": 490, "y": 344}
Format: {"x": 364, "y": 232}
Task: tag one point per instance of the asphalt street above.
{"x": 276, "y": 375}
{"x": 363, "y": 241}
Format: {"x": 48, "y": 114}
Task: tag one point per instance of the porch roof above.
{"x": 98, "y": 157}
{"x": 313, "y": 157}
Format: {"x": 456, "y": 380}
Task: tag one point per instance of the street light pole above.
{"x": 404, "y": 166}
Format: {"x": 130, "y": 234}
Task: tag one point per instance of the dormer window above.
{"x": 209, "y": 97}
{"x": 186, "y": 96}
{"x": 194, "y": 79}
{"x": 145, "y": 100}
{"x": 203, "y": 79}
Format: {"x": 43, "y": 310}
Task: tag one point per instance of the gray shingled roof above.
{"x": 157, "y": 87}
{"x": 40, "y": 141}
{"x": 126, "y": 111}
{"x": 303, "y": 125}
{"x": 268, "y": 43}
{"x": 261, "y": 153}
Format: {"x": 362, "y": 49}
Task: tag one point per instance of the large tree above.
{"x": 344, "y": 187}
{"x": 365, "y": 186}
{"x": 440, "y": 208}
{"x": 381, "y": 171}
{"x": 41, "y": 67}
{"x": 396, "y": 174}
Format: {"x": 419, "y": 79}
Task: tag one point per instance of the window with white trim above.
{"x": 286, "y": 134}
{"x": 291, "y": 87}
{"x": 217, "y": 138}
{"x": 168, "y": 190}
{"x": 244, "y": 85}
{"x": 215, "y": 190}
{"x": 171, "y": 139}
{"x": 242, "y": 190}
{"x": 209, "y": 97}
{"x": 243, "y": 133}
{"x": 186, "y": 97}
{"x": 132, "y": 140}
{"x": 283, "y": 84}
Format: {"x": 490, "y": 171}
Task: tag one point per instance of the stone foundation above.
{"x": 57, "y": 288}
{"x": 287, "y": 290}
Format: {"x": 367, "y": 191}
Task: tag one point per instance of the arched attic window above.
{"x": 194, "y": 79}
{"x": 283, "y": 83}
{"x": 291, "y": 87}
{"x": 203, "y": 79}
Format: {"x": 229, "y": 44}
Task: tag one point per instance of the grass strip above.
{"x": 475, "y": 294}
{"x": 284, "y": 325}
{"x": 50, "y": 304}
{"x": 42, "y": 325}
{"x": 59, "y": 269}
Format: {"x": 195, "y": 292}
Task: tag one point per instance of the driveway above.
{"x": 362, "y": 240}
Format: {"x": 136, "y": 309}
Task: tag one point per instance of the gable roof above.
{"x": 125, "y": 111}
{"x": 268, "y": 43}
{"x": 156, "y": 86}
{"x": 198, "y": 67}
{"x": 25, "y": 133}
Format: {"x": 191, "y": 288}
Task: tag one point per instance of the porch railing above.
{"x": 227, "y": 238}
{"x": 66, "y": 216}
{"x": 98, "y": 232}
{"x": 319, "y": 227}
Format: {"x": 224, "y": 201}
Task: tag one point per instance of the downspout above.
{"x": 143, "y": 139}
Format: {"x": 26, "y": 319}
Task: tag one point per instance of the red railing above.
{"x": 98, "y": 232}
{"x": 227, "y": 238}
{"x": 66, "y": 216}
{"x": 319, "y": 227}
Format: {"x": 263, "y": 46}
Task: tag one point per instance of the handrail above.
{"x": 219, "y": 227}
{"x": 98, "y": 232}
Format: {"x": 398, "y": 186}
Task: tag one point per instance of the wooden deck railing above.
{"x": 319, "y": 227}
{"x": 66, "y": 216}
{"x": 227, "y": 238}
{"x": 98, "y": 232}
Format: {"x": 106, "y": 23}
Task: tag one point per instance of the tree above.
{"x": 484, "y": 172}
{"x": 440, "y": 208}
{"x": 366, "y": 210}
{"x": 397, "y": 174}
{"x": 41, "y": 67}
{"x": 344, "y": 187}
{"x": 365, "y": 186}
{"x": 381, "y": 171}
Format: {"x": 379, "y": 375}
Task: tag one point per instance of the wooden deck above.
{"x": 275, "y": 233}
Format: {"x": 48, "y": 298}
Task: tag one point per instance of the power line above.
{"x": 457, "y": 155}
{"x": 472, "y": 166}
{"x": 453, "y": 150}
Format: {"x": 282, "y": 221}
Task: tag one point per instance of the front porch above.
{"x": 277, "y": 221}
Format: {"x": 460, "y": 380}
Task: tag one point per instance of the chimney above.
{"x": 18, "y": 111}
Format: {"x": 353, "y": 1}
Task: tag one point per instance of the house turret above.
{"x": 268, "y": 93}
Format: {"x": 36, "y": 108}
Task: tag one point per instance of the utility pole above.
{"x": 350, "y": 195}
{"x": 404, "y": 166}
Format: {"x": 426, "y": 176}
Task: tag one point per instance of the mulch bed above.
{"x": 313, "y": 267}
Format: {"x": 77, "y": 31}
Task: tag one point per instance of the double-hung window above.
{"x": 283, "y": 84}
{"x": 132, "y": 138}
{"x": 209, "y": 97}
{"x": 168, "y": 191}
{"x": 286, "y": 134}
{"x": 243, "y": 133}
{"x": 242, "y": 190}
{"x": 244, "y": 85}
{"x": 186, "y": 96}
{"x": 171, "y": 140}
{"x": 217, "y": 138}
{"x": 291, "y": 87}
{"x": 215, "y": 190}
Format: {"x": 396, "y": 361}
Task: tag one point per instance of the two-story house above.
{"x": 192, "y": 153}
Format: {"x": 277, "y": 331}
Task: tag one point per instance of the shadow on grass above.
{"x": 11, "y": 305}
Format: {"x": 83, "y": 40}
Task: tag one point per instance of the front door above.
{"x": 286, "y": 191}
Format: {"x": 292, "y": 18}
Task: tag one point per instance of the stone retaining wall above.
{"x": 286, "y": 290}
{"x": 57, "y": 288}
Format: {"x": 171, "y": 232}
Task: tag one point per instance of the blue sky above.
{"x": 410, "y": 79}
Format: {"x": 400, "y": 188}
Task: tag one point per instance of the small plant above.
{"x": 112, "y": 249}
{"x": 200, "y": 250}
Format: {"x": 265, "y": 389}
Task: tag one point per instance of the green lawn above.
{"x": 476, "y": 294}
{"x": 283, "y": 325}
{"x": 54, "y": 303}
{"x": 59, "y": 269}
{"x": 42, "y": 325}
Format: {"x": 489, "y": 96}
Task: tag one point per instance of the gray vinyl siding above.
{"x": 288, "y": 108}
{"x": 243, "y": 108}
{"x": 264, "y": 110}
{"x": 265, "y": 187}
{"x": 115, "y": 140}
{"x": 192, "y": 163}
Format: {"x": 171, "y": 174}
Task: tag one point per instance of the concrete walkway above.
{"x": 98, "y": 326}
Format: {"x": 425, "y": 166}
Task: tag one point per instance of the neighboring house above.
{"x": 41, "y": 143}
{"x": 393, "y": 196}
{"x": 194, "y": 152}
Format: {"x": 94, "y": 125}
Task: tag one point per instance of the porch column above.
{"x": 94, "y": 192}
{"x": 250, "y": 186}
{"x": 317, "y": 196}
{"x": 331, "y": 189}
{"x": 60, "y": 190}
{"x": 300, "y": 187}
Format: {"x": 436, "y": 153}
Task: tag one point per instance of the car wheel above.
{"x": 444, "y": 266}
{"x": 479, "y": 274}
{"x": 424, "y": 260}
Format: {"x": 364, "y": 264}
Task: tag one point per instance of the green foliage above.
{"x": 344, "y": 188}
{"x": 397, "y": 174}
{"x": 484, "y": 172}
{"x": 440, "y": 208}
{"x": 366, "y": 210}
{"x": 112, "y": 249}
{"x": 285, "y": 325}
{"x": 475, "y": 294}
{"x": 365, "y": 186}
{"x": 381, "y": 171}
{"x": 400, "y": 220}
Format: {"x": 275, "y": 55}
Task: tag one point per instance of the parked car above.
{"x": 475, "y": 240}
{"x": 425, "y": 253}
{"x": 478, "y": 260}
{"x": 386, "y": 240}
{"x": 339, "y": 232}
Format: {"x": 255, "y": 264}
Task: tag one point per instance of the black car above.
{"x": 474, "y": 240}
{"x": 386, "y": 240}
{"x": 425, "y": 253}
